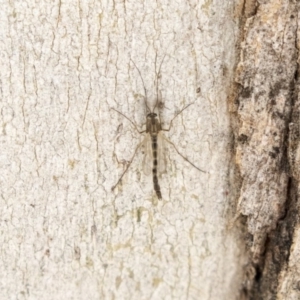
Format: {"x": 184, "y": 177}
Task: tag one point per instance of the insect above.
{"x": 154, "y": 140}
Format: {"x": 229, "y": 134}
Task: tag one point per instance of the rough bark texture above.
{"x": 268, "y": 152}
{"x": 64, "y": 233}
{"x": 289, "y": 278}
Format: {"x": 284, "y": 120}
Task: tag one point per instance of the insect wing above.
{"x": 148, "y": 156}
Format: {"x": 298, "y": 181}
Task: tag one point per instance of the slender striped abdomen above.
{"x": 154, "y": 170}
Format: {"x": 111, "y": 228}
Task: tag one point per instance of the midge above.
{"x": 154, "y": 150}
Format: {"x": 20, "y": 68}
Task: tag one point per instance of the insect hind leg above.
{"x": 186, "y": 159}
{"x": 129, "y": 164}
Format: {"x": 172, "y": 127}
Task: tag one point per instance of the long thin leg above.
{"x": 177, "y": 116}
{"x": 128, "y": 120}
{"x": 137, "y": 147}
{"x": 183, "y": 156}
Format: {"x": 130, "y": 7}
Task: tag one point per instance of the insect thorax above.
{"x": 153, "y": 125}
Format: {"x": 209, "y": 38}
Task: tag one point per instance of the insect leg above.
{"x": 177, "y": 115}
{"x": 136, "y": 128}
{"x": 137, "y": 147}
{"x": 183, "y": 155}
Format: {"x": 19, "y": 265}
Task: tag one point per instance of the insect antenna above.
{"x": 145, "y": 91}
{"x": 157, "y": 78}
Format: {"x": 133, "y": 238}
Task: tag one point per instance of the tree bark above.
{"x": 267, "y": 146}
{"x": 228, "y": 233}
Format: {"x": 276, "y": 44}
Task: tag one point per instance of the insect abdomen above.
{"x": 154, "y": 170}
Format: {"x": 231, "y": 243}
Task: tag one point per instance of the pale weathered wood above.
{"x": 64, "y": 64}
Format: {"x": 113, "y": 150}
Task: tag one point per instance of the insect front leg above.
{"x": 136, "y": 128}
{"x": 177, "y": 116}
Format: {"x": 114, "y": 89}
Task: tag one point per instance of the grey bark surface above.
{"x": 266, "y": 72}
{"x": 65, "y": 234}
{"x": 267, "y": 147}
